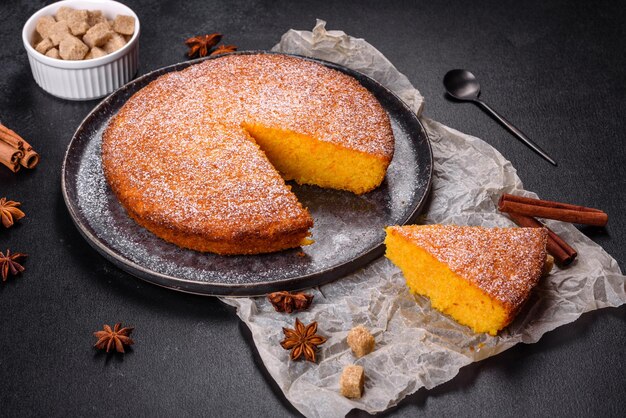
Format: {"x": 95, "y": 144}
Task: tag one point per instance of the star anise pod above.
{"x": 202, "y": 44}
{"x": 289, "y": 302}
{"x": 9, "y": 212}
{"x": 117, "y": 337}
{"x": 223, "y": 49}
{"x": 9, "y": 264}
{"x": 302, "y": 341}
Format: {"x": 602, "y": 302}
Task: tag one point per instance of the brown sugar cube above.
{"x": 98, "y": 35}
{"x": 351, "y": 381}
{"x": 44, "y": 46}
{"x": 361, "y": 341}
{"x": 77, "y": 22}
{"x": 36, "y": 39}
{"x": 58, "y": 31}
{"x": 116, "y": 42}
{"x": 72, "y": 48}
{"x": 78, "y": 28}
{"x": 44, "y": 24}
{"x": 78, "y": 15}
{"x": 53, "y": 53}
{"x": 124, "y": 25}
{"x": 63, "y": 13}
{"x": 94, "y": 17}
{"x": 95, "y": 52}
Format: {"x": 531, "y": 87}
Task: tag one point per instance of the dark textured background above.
{"x": 555, "y": 68}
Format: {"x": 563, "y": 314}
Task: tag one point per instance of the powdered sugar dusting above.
{"x": 346, "y": 225}
{"x": 505, "y": 263}
{"x": 292, "y": 94}
{"x": 177, "y": 154}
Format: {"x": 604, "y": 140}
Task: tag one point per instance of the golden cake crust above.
{"x": 179, "y": 161}
{"x": 505, "y": 263}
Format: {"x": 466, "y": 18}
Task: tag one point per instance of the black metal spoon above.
{"x": 462, "y": 85}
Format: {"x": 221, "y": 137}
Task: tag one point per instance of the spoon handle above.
{"x": 516, "y": 131}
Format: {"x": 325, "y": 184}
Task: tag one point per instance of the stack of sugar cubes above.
{"x": 74, "y": 34}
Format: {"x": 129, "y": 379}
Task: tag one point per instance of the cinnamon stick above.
{"x": 10, "y": 156}
{"x": 562, "y": 252}
{"x": 11, "y": 138}
{"x": 28, "y": 157}
{"x": 552, "y": 210}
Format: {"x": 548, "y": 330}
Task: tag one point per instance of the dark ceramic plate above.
{"x": 348, "y": 229}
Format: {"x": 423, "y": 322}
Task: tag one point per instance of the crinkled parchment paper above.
{"x": 415, "y": 345}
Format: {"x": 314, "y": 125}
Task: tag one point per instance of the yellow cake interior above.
{"x": 447, "y": 291}
{"x": 310, "y": 161}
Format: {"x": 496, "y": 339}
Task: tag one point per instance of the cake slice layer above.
{"x": 479, "y": 276}
{"x": 310, "y": 161}
{"x": 448, "y": 292}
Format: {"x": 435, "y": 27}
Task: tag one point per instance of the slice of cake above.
{"x": 479, "y": 276}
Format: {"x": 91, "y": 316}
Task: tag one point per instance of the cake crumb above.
{"x": 547, "y": 266}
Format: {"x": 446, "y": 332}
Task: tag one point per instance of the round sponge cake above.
{"x": 200, "y": 156}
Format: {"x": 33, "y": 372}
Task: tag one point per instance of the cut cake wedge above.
{"x": 479, "y": 276}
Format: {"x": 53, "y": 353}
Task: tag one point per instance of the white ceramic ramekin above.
{"x": 88, "y": 79}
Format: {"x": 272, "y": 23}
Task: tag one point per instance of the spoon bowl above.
{"x": 462, "y": 85}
